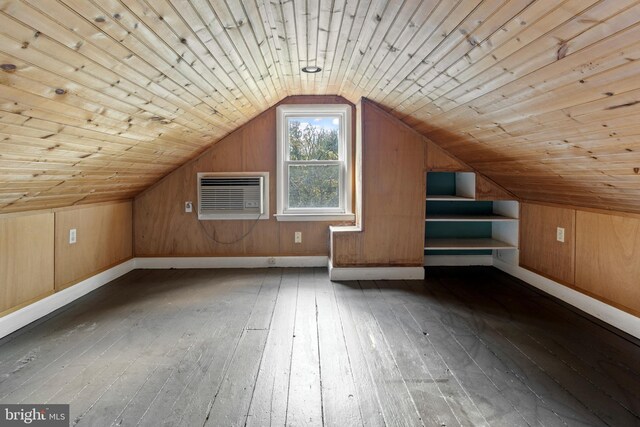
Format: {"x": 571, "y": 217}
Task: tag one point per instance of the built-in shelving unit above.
{"x": 457, "y": 223}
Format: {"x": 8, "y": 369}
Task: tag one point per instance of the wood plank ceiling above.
{"x": 100, "y": 98}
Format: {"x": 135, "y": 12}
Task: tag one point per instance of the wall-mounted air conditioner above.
{"x": 233, "y": 195}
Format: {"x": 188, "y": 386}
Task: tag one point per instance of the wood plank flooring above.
{"x": 466, "y": 346}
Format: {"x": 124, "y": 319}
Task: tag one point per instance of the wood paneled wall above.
{"x": 539, "y": 249}
{"x": 37, "y": 260}
{"x": 600, "y": 256}
{"x": 608, "y": 258}
{"x": 104, "y": 239}
{"x": 393, "y": 196}
{"x": 26, "y": 259}
{"x": 163, "y": 228}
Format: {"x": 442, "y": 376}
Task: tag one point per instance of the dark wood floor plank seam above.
{"x": 98, "y": 418}
{"x": 334, "y": 302}
{"x": 206, "y": 371}
{"x": 500, "y": 400}
{"x": 449, "y": 368}
{"x": 168, "y": 369}
{"x": 584, "y": 363}
{"x": 558, "y": 410}
{"x": 112, "y": 326}
{"x": 56, "y": 323}
{"x": 519, "y": 378}
{"x": 315, "y": 300}
{"x": 228, "y": 364}
{"x": 370, "y": 409}
{"x": 305, "y": 395}
{"x": 418, "y": 355}
{"x": 295, "y": 318}
{"x": 516, "y": 348}
{"x": 192, "y": 350}
{"x": 340, "y": 407}
{"x": 516, "y": 375}
{"x": 65, "y": 350}
{"x": 370, "y": 294}
{"x": 264, "y": 348}
{"x": 246, "y": 363}
{"x": 518, "y": 340}
{"x": 269, "y": 401}
{"x": 148, "y": 359}
{"x": 574, "y": 319}
{"x": 387, "y": 377}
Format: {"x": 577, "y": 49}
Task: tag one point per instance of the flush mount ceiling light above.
{"x": 311, "y": 69}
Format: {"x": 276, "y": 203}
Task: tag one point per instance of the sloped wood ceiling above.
{"x": 100, "y": 98}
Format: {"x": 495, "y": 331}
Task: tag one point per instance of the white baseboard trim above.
{"x": 457, "y": 260}
{"x": 375, "y": 273}
{"x": 230, "y": 262}
{"x": 22, "y": 317}
{"x": 598, "y": 309}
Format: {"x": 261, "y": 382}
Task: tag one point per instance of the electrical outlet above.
{"x": 271, "y": 261}
{"x": 72, "y": 236}
{"x": 560, "y": 234}
{"x": 297, "y": 237}
{"x": 188, "y": 207}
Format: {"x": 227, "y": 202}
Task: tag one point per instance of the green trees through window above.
{"x": 314, "y": 174}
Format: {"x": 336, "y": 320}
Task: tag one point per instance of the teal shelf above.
{"x": 458, "y": 225}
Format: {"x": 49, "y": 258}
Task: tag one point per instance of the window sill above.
{"x": 316, "y": 217}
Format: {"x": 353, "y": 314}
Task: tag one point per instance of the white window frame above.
{"x": 344, "y": 211}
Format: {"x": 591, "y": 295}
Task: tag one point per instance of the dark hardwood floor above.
{"x": 467, "y": 346}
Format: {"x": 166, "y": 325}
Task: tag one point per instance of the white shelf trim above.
{"x": 469, "y": 218}
{"x": 446, "y": 198}
{"x": 466, "y": 244}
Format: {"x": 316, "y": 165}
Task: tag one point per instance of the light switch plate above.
{"x": 72, "y": 236}
{"x": 560, "y": 234}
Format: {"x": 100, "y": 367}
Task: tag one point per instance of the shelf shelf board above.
{"x": 466, "y": 244}
{"x": 446, "y": 198}
{"x": 469, "y": 218}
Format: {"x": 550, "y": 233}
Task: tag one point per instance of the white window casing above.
{"x": 342, "y": 212}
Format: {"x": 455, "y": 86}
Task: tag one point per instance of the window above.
{"x": 314, "y": 166}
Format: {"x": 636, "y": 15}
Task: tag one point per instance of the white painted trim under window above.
{"x": 345, "y": 210}
{"x": 327, "y": 217}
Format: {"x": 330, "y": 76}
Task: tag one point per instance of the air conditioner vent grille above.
{"x": 231, "y": 196}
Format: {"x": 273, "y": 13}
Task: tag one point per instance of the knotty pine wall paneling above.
{"x": 26, "y": 259}
{"x": 162, "y": 228}
{"x": 104, "y": 239}
{"x": 393, "y": 189}
{"x": 539, "y": 249}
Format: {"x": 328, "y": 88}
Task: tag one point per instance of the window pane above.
{"x": 313, "y": 138}
{"x": 314, "y": 186}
